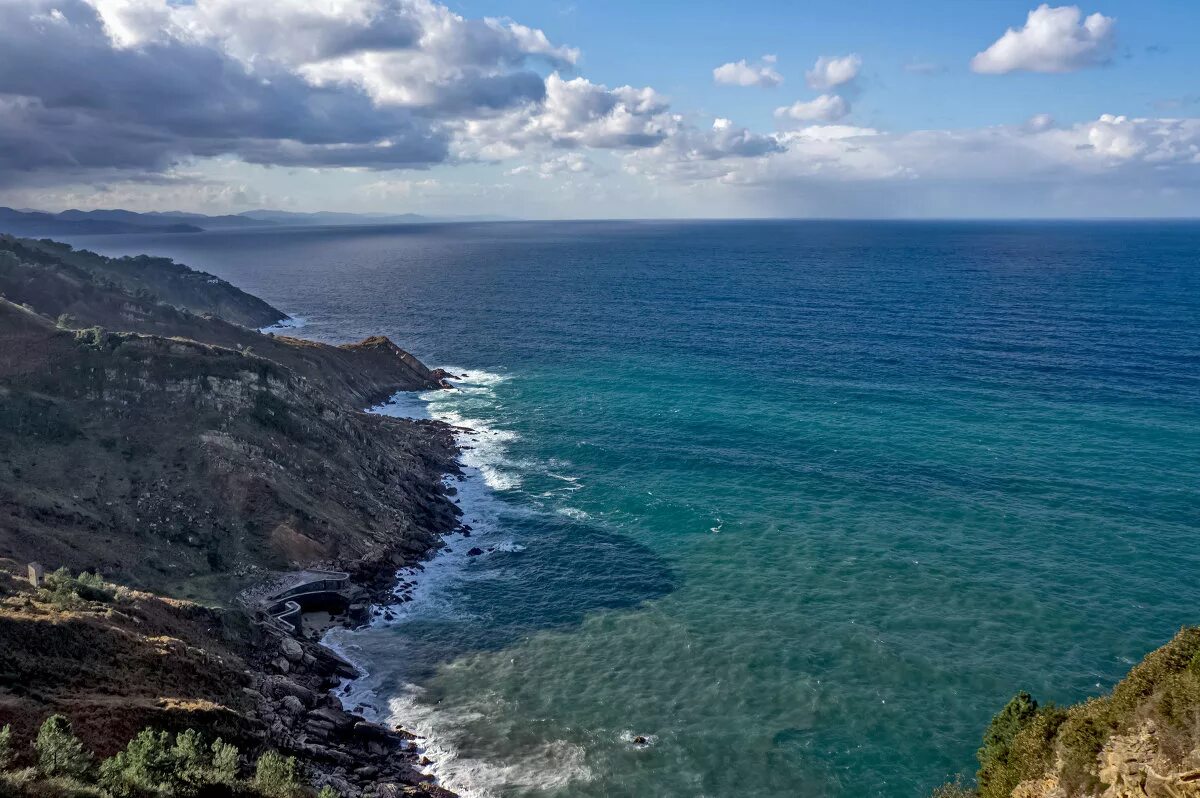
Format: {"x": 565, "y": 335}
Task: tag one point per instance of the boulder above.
{"x": 291, "y": 649}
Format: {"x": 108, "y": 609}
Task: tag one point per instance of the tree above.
{"x": 224, "y": 762}
{"x": 6, "y": 751}
{"x": 275, "y": 775}
{"x": 155, "y": 764}
{"x": 59, "y": 751}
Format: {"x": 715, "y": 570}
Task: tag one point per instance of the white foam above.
{"x": 574, "y": 513}
{"x": 510, "y": 546}
{"x": 487, "y": 468}
{"x": 550, "y": 766}
{"x": 290, "y": 323}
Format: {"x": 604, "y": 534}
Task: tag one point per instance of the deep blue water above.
{"x": 802, "y": 502}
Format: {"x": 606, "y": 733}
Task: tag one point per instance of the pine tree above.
{"x": 275, "y": 775}
{"x": 224, "y": 762}
{"x": 59, "y": 751}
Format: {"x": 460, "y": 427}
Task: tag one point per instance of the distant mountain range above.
{"x": 34, "y": 223}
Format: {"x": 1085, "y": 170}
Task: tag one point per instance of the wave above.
{"x": 573, "y": 513}
{"x": 427, "y": 593}
{"x": 290, "y": 323}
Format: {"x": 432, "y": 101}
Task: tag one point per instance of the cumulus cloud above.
{"x": 110, "y": 86}
{"x": 740, "y": 73}
{"x": 577, "y": 113}
{"x": 1052, "y": 40}
{"x": 832, "y": 71}
{"x": 826, "y": 108}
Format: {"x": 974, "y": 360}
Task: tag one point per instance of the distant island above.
{"x": 34, "y": 223}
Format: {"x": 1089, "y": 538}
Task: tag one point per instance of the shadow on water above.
{"x": 568, "y": 570}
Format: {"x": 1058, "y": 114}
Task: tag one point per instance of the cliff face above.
{"x": 117, "y": 661}
{"x": 1140, "y": 741}
{"x": 162, "y": 461}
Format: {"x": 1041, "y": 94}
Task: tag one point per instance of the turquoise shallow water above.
{"x": 801, "y": 503}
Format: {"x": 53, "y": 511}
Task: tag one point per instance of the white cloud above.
{"x": 742, "y": 74}
{"x": 826, "y": 108}
{"x": 1053, "y": 40}
{"x": 832, "y": 71}
{"x": 119, "y": 87}
{"x": 1109, "y": 147}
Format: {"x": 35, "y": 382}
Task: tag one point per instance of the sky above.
{"x": 617, "y": 109}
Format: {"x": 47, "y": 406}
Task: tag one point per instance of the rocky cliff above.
{"x": 147, "y": 434}
{"x": 1142, "y": 740}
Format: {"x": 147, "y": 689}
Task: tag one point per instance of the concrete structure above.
{"x": 37, "y": 574}
{"x": 315, "y": 590}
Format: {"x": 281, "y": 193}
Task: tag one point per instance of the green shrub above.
{"x": 996, "y": 775}
{"x": 275, "y": 775}
{"x": 1079, "y": 740}
{"x": 329, "y": 792}
{"x": 954, "y": 789}
{"x": 155, "y": 764}
{"x": 59, "y": 752}
{"x": 224, "y": 762}
{"x": 66, "y": 591}
{"x": 92, "y": 339}
{"x": 6, "y": 748}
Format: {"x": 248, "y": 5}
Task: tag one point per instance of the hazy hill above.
{"x": 36, "y": 223}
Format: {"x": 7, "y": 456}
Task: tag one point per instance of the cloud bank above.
{"x": 98, "y": 89}
{"x": 225, "y": 101}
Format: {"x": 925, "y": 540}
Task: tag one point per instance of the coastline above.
{"x": 414, "y": 586}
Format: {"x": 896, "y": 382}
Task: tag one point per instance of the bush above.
{"x": 59, "y": 752}
{"x": 996, "y": 777}
{"x": 66, "y": 591}
{"x": 953, "y": 790}
{"x": 275, "y": 775}
{"x": 328, "y": 792}
{"x": 1080, "y": 740}
{"x": 154, "y": 763}
{"x": 92, "y": 339}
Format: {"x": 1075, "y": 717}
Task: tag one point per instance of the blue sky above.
{"x": 549, "y": 108}
{"x": 675, "y": 46}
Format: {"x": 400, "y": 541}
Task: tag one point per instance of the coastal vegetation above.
{"x": 1141, "y": 739}
{"x": 154, "y": 764}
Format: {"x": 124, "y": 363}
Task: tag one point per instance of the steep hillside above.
{"x": 161, "y": 279}
{"x": 74, "y": 288}
{"x": 148, "y": 434}
{"x": 160, "y": 460}
{"x": 115, "y": 661}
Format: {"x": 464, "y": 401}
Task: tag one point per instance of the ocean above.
{"x": 766, "y": 508}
